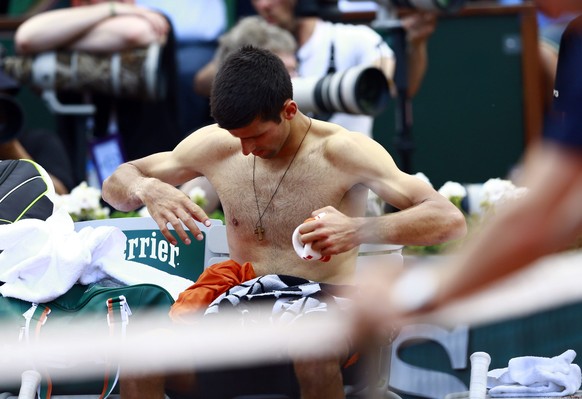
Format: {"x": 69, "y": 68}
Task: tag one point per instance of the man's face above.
{"x": 263, "y": 139}
{"x": 277, "y": 12}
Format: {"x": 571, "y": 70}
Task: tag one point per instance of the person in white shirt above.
{"x": 353, "y": 45}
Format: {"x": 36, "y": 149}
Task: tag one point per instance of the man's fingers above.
{"x": 193, "y": 227}
{"x": 166, "y": 233}
{"x": 182, "y": 234}
{"x": 164, "y": 221}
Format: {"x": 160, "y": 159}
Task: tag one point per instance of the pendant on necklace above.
{"x": 259, "y": 231}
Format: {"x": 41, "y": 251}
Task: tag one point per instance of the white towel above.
{"x": 304, "y": 250}
{"x": 536, "y": 376}
{"x": 42, "y": 260}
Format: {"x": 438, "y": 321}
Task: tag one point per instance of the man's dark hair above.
{"x": 251, "y": 83}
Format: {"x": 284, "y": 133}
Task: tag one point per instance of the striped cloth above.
{"x": 281, "y": 298}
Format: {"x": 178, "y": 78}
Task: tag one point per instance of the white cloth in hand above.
{"x": 304, "y": 250}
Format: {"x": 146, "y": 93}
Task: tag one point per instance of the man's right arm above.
{"x": 151, "y": 182}
{"x": 121, "y": 189}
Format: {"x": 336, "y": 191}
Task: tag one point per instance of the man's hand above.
{"x": 169, "y": 205}
{"x": 331, "y": 234}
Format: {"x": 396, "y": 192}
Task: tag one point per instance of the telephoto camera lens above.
{"x": 359, "y": 90}
{"x": 136, "y": 73}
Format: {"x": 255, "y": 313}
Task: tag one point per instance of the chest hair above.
{"x": 301, "y": 192}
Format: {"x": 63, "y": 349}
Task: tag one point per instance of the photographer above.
{"x": 325, "y": 47}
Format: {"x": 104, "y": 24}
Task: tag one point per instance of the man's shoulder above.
{"x": 212, "y": 135}
{"x": 212, "y": 129}
{"x": 337, "y": 139}
{"x": 332, "y": 130}
{"x": 210, "y": 145}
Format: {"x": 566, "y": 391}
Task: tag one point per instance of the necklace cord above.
{"x": 259, "y": 223}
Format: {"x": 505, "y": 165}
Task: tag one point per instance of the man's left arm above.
{"x": 425, "y": 216}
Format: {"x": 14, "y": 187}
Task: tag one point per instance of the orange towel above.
{"x": 213, "y": 281}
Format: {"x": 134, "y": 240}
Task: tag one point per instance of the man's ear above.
{"x": 289, "y": 109}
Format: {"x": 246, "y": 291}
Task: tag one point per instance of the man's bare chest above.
{"x": 277, "y": 198}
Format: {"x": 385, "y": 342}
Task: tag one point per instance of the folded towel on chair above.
{"x": 536, "y": 376}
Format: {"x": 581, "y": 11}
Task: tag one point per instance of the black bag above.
{"x": 25, "y": 191}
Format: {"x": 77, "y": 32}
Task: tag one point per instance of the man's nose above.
{"x": 248, "y": 146}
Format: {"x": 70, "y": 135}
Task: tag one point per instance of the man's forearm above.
{"x": 121, "y": 189}
{"x": 424, "y": 224}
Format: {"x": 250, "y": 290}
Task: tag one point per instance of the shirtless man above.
{"x": 299, "y": 168}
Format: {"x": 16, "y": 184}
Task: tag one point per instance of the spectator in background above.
{"x": 104, "y": 27}
{"x": 255, "y": 31}
{"x": 197, "y": 24}
{"x": 325, "y": 47}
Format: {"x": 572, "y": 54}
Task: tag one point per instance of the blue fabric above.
{"x": 564, "y": 124}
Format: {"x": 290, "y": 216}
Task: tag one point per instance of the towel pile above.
{"x": 43, "y": 259}
{"x": 536, "y": 377}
